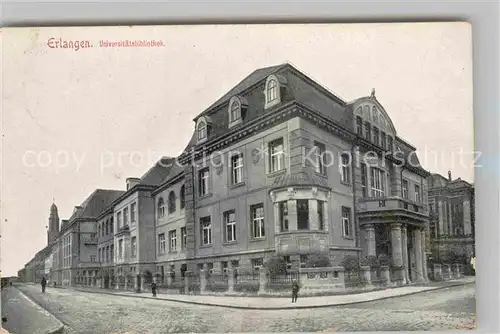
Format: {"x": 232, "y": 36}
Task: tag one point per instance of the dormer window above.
{"x": 236, "y": 110}
{"x": 203, "y": 127}
{"x": 202, "y": 130}
{"x": 272, "y": 91}
{"x": 234, "y": 113}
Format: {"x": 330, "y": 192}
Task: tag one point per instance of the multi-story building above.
{"x": 280, "y": 165}
{"x": 76, "y": 245}
{"x": 451, "y": 206}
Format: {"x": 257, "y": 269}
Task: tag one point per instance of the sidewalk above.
{"x": 276, "y": 303}
{"x": 25, "y": 316}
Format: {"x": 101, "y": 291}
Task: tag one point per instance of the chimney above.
{"x": 131, "y": 182}
{"x": 449, "y": 175}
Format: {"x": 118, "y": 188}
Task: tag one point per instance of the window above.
{"x": 431, "y": 209}
{"x": 404, "y": 189}
{"x": 383, "y": 140}
{"x": 283, "y": 211}
{"x": 172, "y": 235}
{"x": 389, "y": 143}
{"x": 276, "y": 159}
{"x": 320, "y": 163}
{"x": 257, "y": 264}
{"x": 125, "y": 216}
{"x": 133, "y": 246}
{"x": 107, "y": 253}
{"x": 237, "y": 169}
{"x": 111, "y": 252}
{"x": 364, "y": 180}
{"x": 92, "y": 258}
{"x": 378, "y": 182}
{"x": 111, "y": 226}
{"x": 206, "y": 231}
{"x": 345, "y": 168}
{"x": 161, "y": 243}
{"x": 417, "y": 194}
{"x": 100, "y": 230}
{"x": 107, "y": 227}
{"x": 346, "y": 221}
{"x": 272, "y": 90}
{"x": 303, "y": 260}
{"x": 120, "y": 248}
{"x": 184, "y": 238}
{"x": 161, "y": 207}
{"x": 118, "y": 219}
{"x": 368, "y": 131}
{"x": 171, "y": 202}
{"x": 303, "y": 214}
{"x": 202, "y": 130}
{"x": 321, "y": 215}
{"x": 257, "y": 214}
{"x": 359, "y": 125}
{"x": 234, "y": 113}
{"x": 133, "y": 213}
{"x": 203, "y": 182}
{"x": 376, "y": 138}
{"x": 182, "y": 196}
{"x": 229, "y": 226}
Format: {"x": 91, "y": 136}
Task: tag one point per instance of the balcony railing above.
{"x": 375, "y": 204}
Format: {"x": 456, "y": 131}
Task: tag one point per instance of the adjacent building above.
{"x": 452, "y": 223}
{"x": 278, "y": 166}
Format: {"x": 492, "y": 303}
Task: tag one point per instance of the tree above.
{"x": 318, "y": 260}
{"x": 276, "y": 265}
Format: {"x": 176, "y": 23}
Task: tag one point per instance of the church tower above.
{"x": 53, "y": 228}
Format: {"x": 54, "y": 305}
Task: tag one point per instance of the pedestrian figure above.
{"x": 295, "y": 291}
{"x": 44, "y": 283}
{"x": 153, "y": 289}
{"x": 55, "y": 284}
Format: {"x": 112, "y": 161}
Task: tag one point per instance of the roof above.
{"x": 157, "y": 174}
{"x": 252, "y": 79}
{"x": 96, "y": 203}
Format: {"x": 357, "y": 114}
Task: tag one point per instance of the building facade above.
{"x": 278, "y": 166}
{"x": 452, "y": 223}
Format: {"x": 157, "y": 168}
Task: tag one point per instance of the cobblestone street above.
{"x": 82, "y": 312}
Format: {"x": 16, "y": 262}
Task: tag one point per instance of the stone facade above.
{"x": 452, "y": 223}
{"x": 279, "y": 166}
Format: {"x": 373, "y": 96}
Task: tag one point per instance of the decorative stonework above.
{"x": 255, "y": 155}
{"x": 291, "y": 193}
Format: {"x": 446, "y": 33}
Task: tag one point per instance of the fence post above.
{"x": 143, "y": 278}
{"x": 262, "y": 280}
{"x": 117, "y": 281}
{"x": 136, "y": 283}
{"x": 385, "y": 275}
{"x": 203, "y": 281}
{"x": 169, "y": 279}
{"x": 187, "y": 281}
{"x": 230, "y": 280}
{"x": 365, "y": 274}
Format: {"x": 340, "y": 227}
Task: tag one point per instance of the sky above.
{"x": 73, "y": 121}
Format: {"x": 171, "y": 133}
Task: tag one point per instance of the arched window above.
{"x": 272, "y": 90}
{"x": 235, "y": 113}
{"x": 202, "y": 130}
{"x": 182, "y": 196}
{"x": 171, "y": 202}
{"x": 161, "y": 207}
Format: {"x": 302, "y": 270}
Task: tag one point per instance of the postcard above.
{"x": 238, "y": 178}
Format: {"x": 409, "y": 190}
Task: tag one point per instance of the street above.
{"x": 83, "y": 312}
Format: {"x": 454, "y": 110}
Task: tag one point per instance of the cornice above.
{"x": 177, "y": 178}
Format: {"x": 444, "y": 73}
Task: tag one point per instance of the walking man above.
{"x": 44, "y": 283}
{"x": 153, "y": 289}
{"x": 295, "y": 291}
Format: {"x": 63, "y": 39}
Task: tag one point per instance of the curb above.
{"x": 60, "y": 327}
{"x": 279, "y": 307}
